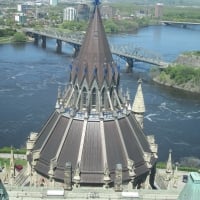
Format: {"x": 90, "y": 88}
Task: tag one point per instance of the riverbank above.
{"x": 8, "y": 40}
{"x": 183, "y": 74}
{"x": 5, "y": 40}
{"x": 185, "y": 87}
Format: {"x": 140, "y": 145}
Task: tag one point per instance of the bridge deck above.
{"x": 136, "y": 54}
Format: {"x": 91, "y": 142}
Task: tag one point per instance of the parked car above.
{"x": 185, "y": 178}
{"x": 18, "y": 167}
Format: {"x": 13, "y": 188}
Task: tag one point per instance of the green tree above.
{"x": 19, "y": 37}
{"x": 110, "y": 26}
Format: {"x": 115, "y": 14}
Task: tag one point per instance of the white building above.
{"x": 53, "y": 2}
{"x": 20, "y": 18}
{"x": 70, "y": 14}
{"x": 159, "y": 10}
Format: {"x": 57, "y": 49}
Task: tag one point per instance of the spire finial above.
{"x": 96, "y": 2}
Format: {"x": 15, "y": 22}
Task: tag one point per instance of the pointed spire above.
{"x": 12, "y": 166}
{"x": 169, "y": 163}
{"x": 96, "y": 2}
{"x": 138, "y": 104}
{"x": 57, "y": 106}
{"x": 95, "y": 51}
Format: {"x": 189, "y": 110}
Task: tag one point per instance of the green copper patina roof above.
{"x": 191, "y": 191}
{"x": 3, "y": 193}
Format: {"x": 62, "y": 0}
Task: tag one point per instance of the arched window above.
{"x": 76, "y": 92}
{"x": 84, "y": 97}
{"x": 111, "y": 93}
{"x": 103, "y": 97}
{"x": 94, "y": 98}
{"x": 75, "y": 95}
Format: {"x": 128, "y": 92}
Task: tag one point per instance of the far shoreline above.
{"x": 186, "y": 63}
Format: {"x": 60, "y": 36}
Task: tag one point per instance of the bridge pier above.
{"x": 36, "y": 38}
{"x": 44, "y": 43}
{"x": 76, "y": 49}
{"x": 59, "y": 46}
{"x": 129, "y": 65}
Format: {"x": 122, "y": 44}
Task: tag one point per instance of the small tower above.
{"x": 12, "y": 166}
{"x": 138, "y": 104}
{"x": 169, "y": 169}
{"x": 169, "y": 163}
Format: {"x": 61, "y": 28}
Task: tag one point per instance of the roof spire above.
{"x": 96, "y": 2}
{"x": 95, "y": 51}
{"x": 138, "y": 104}
{"x": 169, "y": 163}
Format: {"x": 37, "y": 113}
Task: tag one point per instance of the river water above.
{"x": 30, "y": 75}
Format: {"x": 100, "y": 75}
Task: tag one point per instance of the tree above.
{"x": 19, "y": 37}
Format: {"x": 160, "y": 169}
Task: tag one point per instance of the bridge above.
{"x": 130, "y": 55}
{"x": 180, "y": 24}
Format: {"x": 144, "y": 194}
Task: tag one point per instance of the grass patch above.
{"x": 4, "y": 40}
{"x": 6, "y": 161}
{"x": 16, "y": 151}
{"x": 162, "y": 165}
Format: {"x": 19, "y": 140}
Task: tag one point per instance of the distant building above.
{"x": 53, "y": 2}
{"x": 83, "y": 12}
{"x": 23, "y": 8}
{"x": 159, "y": 10}
{"x": 20, "y": 18}
{"x": 107, "y": 12}
{"x": 70, "y": 14}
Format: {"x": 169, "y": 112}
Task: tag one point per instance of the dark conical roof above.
{"x": 93, "y": 127}
{"x": 95, "y": 58}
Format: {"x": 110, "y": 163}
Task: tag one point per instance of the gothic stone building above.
{"x": 95, "y": 136}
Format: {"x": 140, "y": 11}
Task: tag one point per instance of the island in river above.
{"x": 183, "y": 73}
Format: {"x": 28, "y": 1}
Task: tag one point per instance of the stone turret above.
{"x": 169, "y": 168}
{"x": 169, "y": 163}
{"x": 138, "y": 105}
{"x": 12, "y": 166}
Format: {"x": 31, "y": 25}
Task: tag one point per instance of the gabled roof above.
{"x": 95, "y": 59}
{"x": 3, "y": 194}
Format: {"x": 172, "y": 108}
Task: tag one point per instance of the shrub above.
{"x": 19, "y": 37}
{"x": 181, "y": 74}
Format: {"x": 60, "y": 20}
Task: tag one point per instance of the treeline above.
{"x": 17, "y": 151}
{"x": 74, "y": 25}
{"x": 125, "y": 25}
{"x": 162, "y": 165}
{"x": 7, "y": 32}
{"x": 181, "y": 14}
{"x": 181, "y": 74}
{"x": 111, "y": 25}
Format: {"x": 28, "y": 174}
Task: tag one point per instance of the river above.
{"x": 30, "y": 77}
